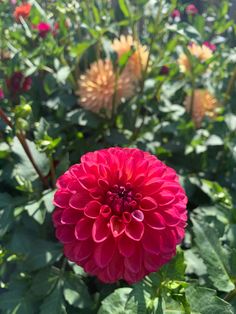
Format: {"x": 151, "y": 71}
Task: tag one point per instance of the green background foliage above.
{"x": 35, "y": 277}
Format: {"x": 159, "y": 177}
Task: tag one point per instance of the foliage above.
{"x": 44, "y": 130}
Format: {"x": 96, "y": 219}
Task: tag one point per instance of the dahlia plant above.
{"x": 117, "y": 157}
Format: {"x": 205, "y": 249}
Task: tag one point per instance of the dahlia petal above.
{"x": 104, "y": 252}
{"x": 134, "y": 262}
{"x": 88, "y": 181}
{"x": 126, "y": 246}
{"x": 105, "y": 211}
{"x": 171, "y": 217}
{"x": 91, "y": 267}
{"x": 63, "y": 181}
{"x": 65, "y": 233}
{"x": 61, "y": 199}
{"x": 126, "y": 217}
{"x": 151, "y": 240}
{"x": 116, "y": 267}
{"x": 100, "y": 230}
{"x": 83, "y": 229}
{"x": 152, "y": 262}
{"x": 70, "y": 216}
{"x": 138, "y": 215}
{"x": 155, "y": 221}
{"x": 103, "y": 183}
{"x": 166, "y": 198}
{"x": 167, "y": 241}
{"x": 117, "y": 226}
{"x": 77, "y": 202}
{"x": 56, "y": 217}
{"x": 148, "y": 203}
{"x": 92, "y": 209}
{"x": 134, "y": 230}
{"x": 152, "y": 186}
{"x": 83, "y": 250}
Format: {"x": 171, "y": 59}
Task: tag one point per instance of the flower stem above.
{"x": 21, "y": 137}
{"x": 52, "y": 171}
{"x": 230, "y": 296}
{"x": 230, "y": 86}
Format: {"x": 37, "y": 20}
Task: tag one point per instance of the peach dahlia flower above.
{"x": 138, "y": 61}
{"x": 204, "y": 104}
{"x": 202, "y": 53}
{"x": 99, "y": 88}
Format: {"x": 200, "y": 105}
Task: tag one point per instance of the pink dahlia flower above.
{"x": 1, "y": 94}
{"x": 43, "y": 29}
{"x": 18, "y": 83}
{"x": 120, "y": 213}
{"x": 175, "y": 14}
{"x": 191, "y": 9}
{"x": 209, "y": 45}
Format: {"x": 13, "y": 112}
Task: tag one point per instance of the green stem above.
{"x": 230, "y": 296}
{"x": 21, "y": 137}
{"x": 230, "y": 87}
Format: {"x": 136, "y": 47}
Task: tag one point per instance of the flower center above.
{"x": 122, "y": 199}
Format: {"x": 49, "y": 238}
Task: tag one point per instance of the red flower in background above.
{"x": 209, "y": 45}
{"x": 1, "y": 94}
{"x": 120, "y": 213}
{"x": 22, "y": 11}
{"x": 43, "y": 29}
{"x": 18, "y": 83}
{"x": 164, "y": 70}
{"x": 191, "y": 9}
{"x": 175, "y": 14}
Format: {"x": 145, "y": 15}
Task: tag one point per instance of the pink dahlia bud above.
{"x": 175, "y": 14}
{"x": 164, "y": 70}
{"x": 120, "y": 213}
{"x": 209, "y": 45}
{"x": 17, "y": 83}
{"x": 1, "y": 94}
{"x": 43, "y": 29}
{"x": 191, "y": 9}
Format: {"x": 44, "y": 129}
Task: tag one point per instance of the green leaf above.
{"x": 76, "y": 292}
{"x": 62, "y": 74}
{"x": 214, "y": 140}
{"x": 118, "y": 303}
{"x": 37, "y": 253}
{"x": 6, "y": 212}
{"x": 24, "y": 167}
{"x": 175, "y": 269}
{"x": 124, "y": 8}
{"x": 17, "y": 300}
{"x": 44, "y": 281}
{"x": 205, "y": 301}
{"x": 54, "y": 303}
{"x": 78, "y": 50}
{"x": 215, "y": 257}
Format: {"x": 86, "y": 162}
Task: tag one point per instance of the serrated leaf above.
{"x": 117, "y": 303}
{"x": 205, "y": 301}
{"x": 215, "y": 257}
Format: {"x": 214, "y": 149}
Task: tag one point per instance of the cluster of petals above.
{"x": 204, "y": 104}
{"x": 22, "y": 11}
{"x": 191, "y": 9}
{"x": 137, "y": 62}
{"x": 210, "y": 45}
{"x": 202, "y": 53}
{"x": 100, "y": 89}
{"x": 1, "y": 94}
{"x": 43, "y": 29}
{"x": 176, "y": 14}
{"x": 18, "y": 83}
{"x": 119, "y": 213}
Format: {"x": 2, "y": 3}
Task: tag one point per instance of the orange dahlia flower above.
{"x": 137, "y": 63}
{"x": 202, "y": 53}
{"x": 204, "y": 104}
{"x": 22, "y": 11}
{"x": 99, "y": 87}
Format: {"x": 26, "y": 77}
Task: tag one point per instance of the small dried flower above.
{"x": 204, "y": 104}
{"x": 202, "y": 53}
{"x": 137, "y": 63}
{"x": 120, "y": 213}
{"x": 191, "y": 9}
{"x": 22, "y": 11}
{"x": 164, "y": 70}
{"x": 99, "y": 88}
